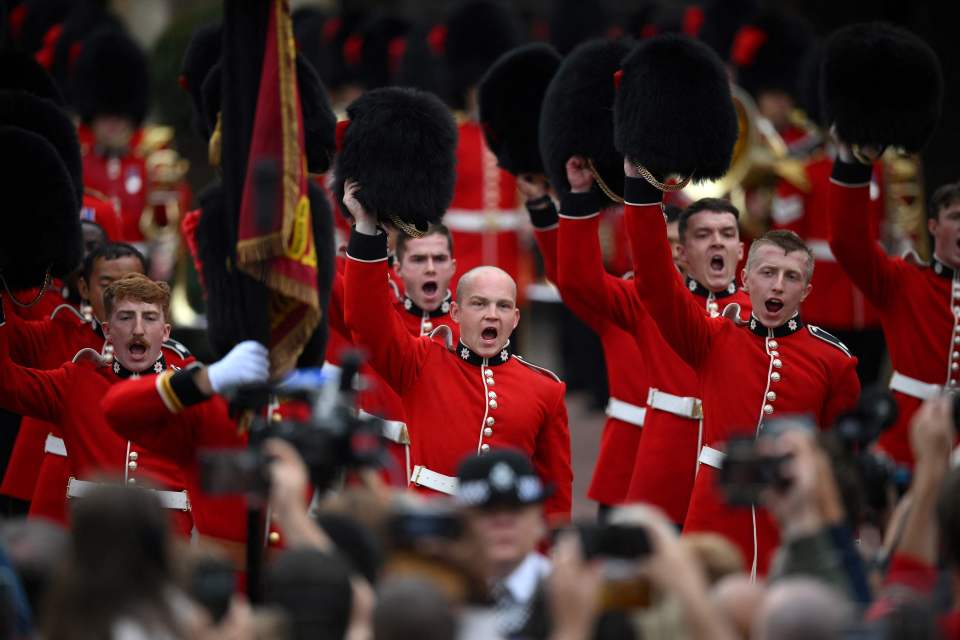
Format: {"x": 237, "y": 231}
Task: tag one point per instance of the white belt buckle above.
{"x": 424, "y": 477}
{"x": 711, "y": 457}
{"x": 626, "y": 411}
{"x": 55, "y": 445}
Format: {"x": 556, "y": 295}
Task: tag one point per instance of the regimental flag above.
{"x": 275, "y": 244}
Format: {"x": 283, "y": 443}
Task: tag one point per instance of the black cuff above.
{"x": 543, "y": 217}
{"x": 184, "y": 386}
{"x": 367, "y": 248}
{"x": 639, "y": 191}
{"x": 851, "y": 173}
{"x": 582, "y": 205}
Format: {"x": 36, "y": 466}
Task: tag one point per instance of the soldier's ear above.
{"x": 455, "y": 312}
{"x": 743, "y": 279}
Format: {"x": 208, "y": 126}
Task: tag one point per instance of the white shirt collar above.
{"x": 522, "y": 582}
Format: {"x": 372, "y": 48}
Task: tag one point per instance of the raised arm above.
{"x": 853, "y": 238}
{"x": 682, "y": 322}
{"x": 393, "y": 353}
{"x": 543, "y": 217}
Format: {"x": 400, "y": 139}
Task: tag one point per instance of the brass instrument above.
{"x": 905, "y": 226}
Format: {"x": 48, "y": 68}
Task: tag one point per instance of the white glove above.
{"x": 247, "y": 363}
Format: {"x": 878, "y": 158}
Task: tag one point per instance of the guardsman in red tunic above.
{"x": 461, "y": 399}
{"x": 180, "y": 412}
{"x": 919, "y": 303}
{"x": 425, "y": 267}
{"x": 665, "y": 460}
{"x": 70, "y": 396}
{"x": 772, "y": 365}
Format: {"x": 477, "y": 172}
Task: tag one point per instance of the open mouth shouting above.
{"x": 717, "y": 263}
{"x": 138, "y": 349}
{"x": 430, "y": 288}
{"x": 773, "y": 305}
{"x": 489, "y": 335}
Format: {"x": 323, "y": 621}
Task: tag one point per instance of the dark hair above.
{"x": 718, "y": 205}
{"x": 118, "y": 566}
{"x": 413, "y": 607}
{"x": 434, "y": 229}
{"x": 672, "y": 212}
{"x": 111, "y": 251}
{"x": 314, "y": 590}
{"x": 943, "y": 197}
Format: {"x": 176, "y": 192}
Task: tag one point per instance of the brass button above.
{"x": 775, "y": 376}
{"x": 134, "y": 455}
{"x": 772, "y": 344}
{"x": 427, "y": 326}
{"x": 771, "y": 396}
{"x": 487, "y": 432}
{"x": 492, "y": 395}
{"x": 276, "y": 417}
{"x": 274, "y": 537}
{"x": 484, "y": 447}
{"x": 132, "y": 465}
{"x": 490, "y": 421}
{"x": 493, "y": 404}
{"x": 768, "y": 409}
{"x": 777, "y": 364}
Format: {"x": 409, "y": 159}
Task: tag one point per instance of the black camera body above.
{"x": 746, "y": 472}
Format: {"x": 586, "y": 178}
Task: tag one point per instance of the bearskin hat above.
{"x": 577, "y": 114}
{"x": 42, "y": 226}
{"x": 768, "y": 51}
{"x": 368, "y": 52}
{"x": 110, "y": 77}
{"x": 674, "y": 113}
{"x": 477, "y": 33}
{"x": 47, "y": 120}
{"x": 809, "y": 85}
{"x": 421, "y": 64}
{"x": 84, "y": 18}
{"x": 881, "y": 85}
{"x": 575, "y": 21}
{"x": 510, "y": 97}
{"x": 20, "y": 72}
{"x": 203, "y": 52}
{"x": 319, "y": 121}
{"x": 400, "y": 146}
{"x": 38, "y": 16}
{"x": 722, "y": 19}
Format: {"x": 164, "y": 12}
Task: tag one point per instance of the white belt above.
{"x": 711, "y": 457}
{"x": 393, "y": 430}
{"x": 821, "y": 250}
{"x": 423, "y": 477}
{"x": 477, "y": 221}
{"x": 686, "y": 407}
{"x": 55, "y": 445}
{"x": 178, "y": 500}
{"x": 626, "y": 412}
{"x": 913, "y": 387}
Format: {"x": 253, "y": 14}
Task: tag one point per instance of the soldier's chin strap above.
{"x": 36, "y": 299}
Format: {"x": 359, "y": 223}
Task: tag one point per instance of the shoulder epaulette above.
{"x": 70, "y": 308}
{"x": 826, "y": 336}
{"x": 910, "y": 256}
{"x": 538, "y": 368}
{"x": 394, "y": 288}
{"x": 732, "y": 313}
{"x": 444, "y": 332}
{"x": 92, "y": 356}
{"x": 177, "y": 347}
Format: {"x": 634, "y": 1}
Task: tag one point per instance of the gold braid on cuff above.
{"x": 407, "y": 227}
{"x": 607, "y": 191}
{"x": 36, "y": 298}
{"x": 663, "y": 186}
{"x": 865, "y": 156}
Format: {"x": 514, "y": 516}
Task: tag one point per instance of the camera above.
{"x": 615, "y": 541}
{"x": 331, "y": 438}
{"x": 746, "y": 472}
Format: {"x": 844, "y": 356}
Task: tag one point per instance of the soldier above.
{"x": 665, "y": 459}
{"x": 459, "y": 400}
{"x": 137, "y": 309}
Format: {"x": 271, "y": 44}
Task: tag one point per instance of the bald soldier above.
{"x": 464, "y": 398}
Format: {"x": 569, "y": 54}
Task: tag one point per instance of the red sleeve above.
{"x": 682, "y": 322}
{"x": 335, "y": 310}
{"x": 844, "y": 392}
{"x": 592, "y": 294}
{"x": 29, "y": 392}
{"x": 29, "y": 339}
{"x": 393, "y": 353}
{"x": 853, "y": 238}
{"x": 551, "y": 459}
{"x": 547, "y": 243}
{"x": 905, "y": 571}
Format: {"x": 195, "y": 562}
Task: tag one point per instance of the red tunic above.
{"x": 484, "y": 216}
{"x": 919, "y": 304}
{"x": 834, "y": 301}
{"x": 70, "y": 396}
{"x": 665, "y": 461}
{"x": 457, "y": 403}
{"x": 747, "y": 373}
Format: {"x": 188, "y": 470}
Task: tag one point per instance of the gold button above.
{"x": 134, "y": 455}
{"x": 775, "y": 376}
{"x": 772, "y": 344}
{"x": 490, "y": 382}
{"x": 771, "y": 396}
{"x": 487, "y": 432}
{"x": 492, "y": 394}
{"x": 768, "y": 409}
{"x": 132, "y": 481}
{"x": 777, "y": 364}
{"x": 274, "y": 537}
{"x": 490, "y": 421}
{"x": 955, "y": 366}
{"x": 427, "y": 326}
{"x": 132, "y": 465}
{"x": 955, "y": 355}
{"x": 276, "y": 417}
{"x": 488, "y": 372}
{"x": 493, "y": 404}
{"x": 484, "y": 447}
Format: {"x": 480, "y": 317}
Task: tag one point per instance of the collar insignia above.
{"x": 698, "y": 289}
{"x": 444, "y": 308}
{"x": 470, "y": 356}
{"x": 122, "y": 372}
{"x": 793, "y": 325}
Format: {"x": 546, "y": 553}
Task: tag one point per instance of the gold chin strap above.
{"x": 36, "y": 299}
{"x": 663, "y": 186}
{"x": 213, "y": 147}
{"x": 607, "y": 191}
{"x": 407, "y": 227}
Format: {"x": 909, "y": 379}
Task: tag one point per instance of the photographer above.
{"x": 180, "y": 412}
